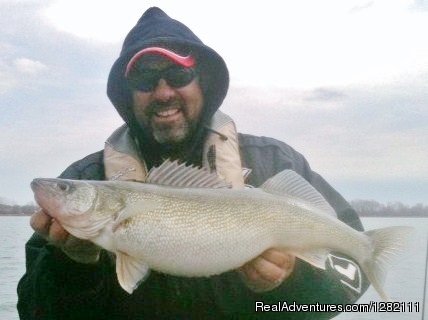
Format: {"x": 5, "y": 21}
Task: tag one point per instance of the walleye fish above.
{"x": 185, "y": 221}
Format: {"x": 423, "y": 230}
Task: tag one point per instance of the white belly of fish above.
{"x": 194, "y": 239}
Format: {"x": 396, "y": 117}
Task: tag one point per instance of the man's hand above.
{"x": 79, "y": 250}
{"x": 268, "y": 270}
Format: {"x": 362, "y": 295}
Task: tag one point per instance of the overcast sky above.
{"x": 343, "y": 82}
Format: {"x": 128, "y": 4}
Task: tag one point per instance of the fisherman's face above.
{"x": 170, "y": 113}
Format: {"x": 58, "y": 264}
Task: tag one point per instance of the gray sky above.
{"x": 343, "y": 82}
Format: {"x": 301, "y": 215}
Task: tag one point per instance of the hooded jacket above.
{"x": 156, "y": 28}
{"x": 56, "y": 287}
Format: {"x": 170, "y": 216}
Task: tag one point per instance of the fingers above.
{"x": 57, "y": 233}
{"x": 79, "y": 250}
{"x": 48, "y": 227}
{"x": 250, "y": 272}
{"x": 272, "y": 265}
{"x": 278, "y": 258}
{"x": 268, "y": 270}
{"x": 281, "y": 259}
{"x": 40, "y": 222}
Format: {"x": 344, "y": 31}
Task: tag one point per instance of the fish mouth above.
{"x": 38, "y": 188}
{"x": 44, "y": 192}
{"x": 36, "y": 184}
{"x": 43, "y": 184}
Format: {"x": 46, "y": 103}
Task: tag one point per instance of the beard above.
{"x": 174, "y": 131}
{"x": 173, "y": 134}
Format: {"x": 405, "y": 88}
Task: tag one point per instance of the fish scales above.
{"x": 187, "y": 230}
{"x": 198, "y": 231}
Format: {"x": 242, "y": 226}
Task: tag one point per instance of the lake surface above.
{"x": 404, "y": 283}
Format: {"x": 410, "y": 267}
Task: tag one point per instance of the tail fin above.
{"x": 387, "y": 243}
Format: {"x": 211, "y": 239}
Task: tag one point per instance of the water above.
{"x": 405, "y": 281}
{"x": 14, "y": 232}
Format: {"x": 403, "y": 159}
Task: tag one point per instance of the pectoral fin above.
{"x": 132, "y": 210}
{"x": 130, "y": 271}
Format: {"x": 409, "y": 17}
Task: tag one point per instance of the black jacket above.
{"x": 55, "y": 287}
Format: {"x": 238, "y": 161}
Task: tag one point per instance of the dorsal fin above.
{"x": 179, "y": 175}
{"x": 289, "y": 183}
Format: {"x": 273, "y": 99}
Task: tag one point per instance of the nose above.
{"x": 163, "y": 92}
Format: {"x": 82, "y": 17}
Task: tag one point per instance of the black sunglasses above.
{"x": 146, "y": 80}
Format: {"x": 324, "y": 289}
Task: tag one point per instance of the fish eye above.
{"x": 63, "y": 186}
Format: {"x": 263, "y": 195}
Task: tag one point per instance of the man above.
{"x": 167, "y": 86}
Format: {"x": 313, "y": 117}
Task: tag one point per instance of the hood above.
{"x": 155, "y": 27}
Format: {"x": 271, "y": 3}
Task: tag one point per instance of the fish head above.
{"x": 63, "y": 198}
